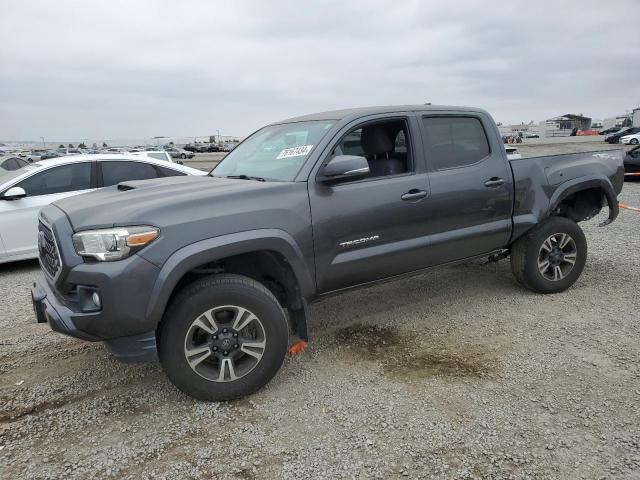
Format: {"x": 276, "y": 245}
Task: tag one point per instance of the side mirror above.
{"x": 343, "y": 167}
{"x": 14, "y": 193}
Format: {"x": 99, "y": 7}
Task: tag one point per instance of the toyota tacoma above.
{"x": 213, "y": 275}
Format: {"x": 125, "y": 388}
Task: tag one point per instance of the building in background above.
{"x": 564, "y": 125}
{"x": 619, "y": 121}
{"x": 636, "y": 117}
{"x": 519, "y": 130}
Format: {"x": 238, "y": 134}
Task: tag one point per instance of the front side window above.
{"x": 65, "y": 178}
{"x": 276, "y": 152}
{"x": 116, "y": 172}
{"x": 454, "y": 141}
{"x": 383, "y": 144}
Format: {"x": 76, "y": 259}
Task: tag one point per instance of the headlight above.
{"x": 113, "y": 243}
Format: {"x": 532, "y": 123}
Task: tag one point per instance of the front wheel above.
{"x": 223, "y": 337}
{"x": 634, "y": 141}
{"x": 551, "y": 257}
{"x": 183, "y": 156}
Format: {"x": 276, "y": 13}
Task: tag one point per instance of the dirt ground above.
{"x": 456, "y": 373}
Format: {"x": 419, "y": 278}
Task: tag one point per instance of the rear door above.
{"x": 471, "y": 186}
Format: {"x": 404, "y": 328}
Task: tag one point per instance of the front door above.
{"x": 378, "y": 226}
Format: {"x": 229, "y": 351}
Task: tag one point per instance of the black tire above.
{"x": 634, "y": 141}
{"x": 527, "y": 251}
{"x": 183, "y": 156}
{"x": 207, "y": 293}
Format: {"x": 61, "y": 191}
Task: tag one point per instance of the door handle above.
{"x": 494, "y": 182}
{"x": 414, "y": 194}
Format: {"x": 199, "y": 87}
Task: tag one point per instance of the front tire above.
{"x": 550, "y": 257}
{"x": 634, "y": 141}
{"x": 223, "y": 337}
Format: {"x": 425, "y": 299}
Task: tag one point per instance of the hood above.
{"x": 158, "y": 201}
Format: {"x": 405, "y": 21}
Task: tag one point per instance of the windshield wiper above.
{"x": 246, "y": 177}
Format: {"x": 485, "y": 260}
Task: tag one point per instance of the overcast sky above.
{"x": 134, "y": 69}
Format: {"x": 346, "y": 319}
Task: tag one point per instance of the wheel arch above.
{"x": 248, "y": 253}
{"x": 580, "y": 199}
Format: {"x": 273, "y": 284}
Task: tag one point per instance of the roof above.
{"x": 363, "y": 111}
{"x": 570, "y": 116}
{"x": 52, "y": 162}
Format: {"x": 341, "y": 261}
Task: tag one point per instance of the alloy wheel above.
{"x": 557, "y": 256}
{"x": 225, "y": 343}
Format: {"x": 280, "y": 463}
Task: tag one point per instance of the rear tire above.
{"x": 550, "y": 257}
{"x": 223, "y": 337}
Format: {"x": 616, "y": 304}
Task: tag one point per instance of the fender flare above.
{"x": 583, "y": 183}
{"x": 211, "y": 249}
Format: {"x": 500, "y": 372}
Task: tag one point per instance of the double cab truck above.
{"x": 213, "y": 275}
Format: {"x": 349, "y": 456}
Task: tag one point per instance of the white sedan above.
{"x": 25, "y": 191}
{"x": 631, "y": 139}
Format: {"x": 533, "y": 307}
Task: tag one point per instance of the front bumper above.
{"x": 131, "y": 349}
{"x": 59, "y": 317}
{"x": 124, "y": 288}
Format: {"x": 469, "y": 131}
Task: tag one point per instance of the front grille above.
{"x": 48, "y": 250}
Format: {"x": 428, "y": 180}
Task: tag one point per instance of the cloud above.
{"x": 103, "y": 70}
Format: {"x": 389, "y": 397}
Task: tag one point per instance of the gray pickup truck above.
{"x": 214, "y": 274}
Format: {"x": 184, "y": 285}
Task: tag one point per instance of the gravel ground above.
{"x": 457, "y": 373}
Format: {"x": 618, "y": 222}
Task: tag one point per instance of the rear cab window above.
{"x": 454, "y": 141}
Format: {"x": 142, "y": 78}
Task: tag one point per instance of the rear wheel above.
{"x": 223, "y": 337}
{"x": 551, "y": 257}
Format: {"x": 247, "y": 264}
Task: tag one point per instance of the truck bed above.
{"x": 541, "y": 182}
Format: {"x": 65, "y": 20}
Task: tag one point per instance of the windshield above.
{"x": 275, "y": 152}
{"x": 6, "y": 175}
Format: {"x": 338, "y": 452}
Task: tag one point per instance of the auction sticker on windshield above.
{"x": 295, "y": 151}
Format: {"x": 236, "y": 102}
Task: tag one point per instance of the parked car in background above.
{"x": 610, "y": 130}
{"x": 157, "y": 154}
{"x": 632, "y": 162}
{"x": 532, "y": 135}
{"x": 512, "y": 152}
{"x": 190, "y": 148}
{"x": 213, "y": 147}
{"x": 35, "y": 155}
{"x": 49, "y": 155}
{"x": 633, "y": 139}
{"x": 176, "y": 152}
{"x": 615, "y": 137}
{"x": 227, "y": 147}
{"x": 23, "y": 192}
{"x": 12, "y": 163}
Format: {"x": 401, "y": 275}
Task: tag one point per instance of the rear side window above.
{"x": 65, "y": 178}
{"x": 116, "y": 172}
{"x": 454, "y": 141}
{"x": 168, "y": 172}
